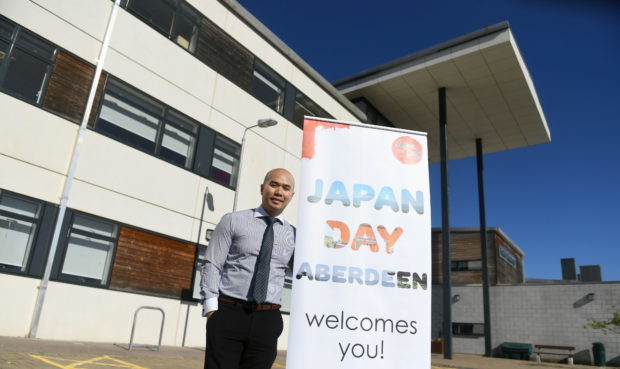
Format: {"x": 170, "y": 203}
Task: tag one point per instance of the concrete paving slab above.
{"x": 22, "y": 353}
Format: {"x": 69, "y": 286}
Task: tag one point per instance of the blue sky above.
{"x": 555, "y": 200}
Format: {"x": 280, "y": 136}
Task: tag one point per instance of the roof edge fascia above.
{"x": 245, "y": 16}
{"x": 375, "y": 72}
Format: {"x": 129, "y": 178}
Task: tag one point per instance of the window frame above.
{"x": 184, "y": 9}
{"x": 464, "y": 265}
{"x": 298, "y": 97}
{"x": 458, "y": 328}
{"x": 139, "y": 100}
{"x": 12, "y": 45}
{"x": 63, "y": 246}
{"x": 179, "y": 8}
{"x": 201, "y": 255}
{"x": 270, "y": 76}
{"x": 236, "y": 163}
{"x": 36, "y": 223}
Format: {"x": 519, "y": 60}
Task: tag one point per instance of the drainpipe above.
{"x": 38, "y": 307}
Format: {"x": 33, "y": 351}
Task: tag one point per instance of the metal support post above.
{"x": 484, "y": 248}
{"x": 445, "y": 225}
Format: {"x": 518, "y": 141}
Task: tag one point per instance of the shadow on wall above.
{"x": 582, "y": 357}
{"x": 614, "y": 362}
{"x": 584, "y": 301}
{"x": 497, "y": 351}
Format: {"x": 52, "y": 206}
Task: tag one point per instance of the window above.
{"x": 89, "y": 250}
{"x": 157, "y": 13}
{"x": 186, "y": 26}
{"x": 373, "y": 116}
{"x": 138, "y": 120}
{"x": 468, "y": 329}
{"x": 462, "y": 265}
{"x": 225, "y": 164}
{"x": 130, "y": 116}
{"x": 179, "y": 139}
{"x": 286, "y": 291}
{"x": 305, "y": 106}
{"x": 174, "y": 19}
{"x": 25, "y": 62}
{"x": 18, "y": 227}
{"x": 202, "y": 250}
{"x": 268, "y": 86}
{"x": 507, "y": 256}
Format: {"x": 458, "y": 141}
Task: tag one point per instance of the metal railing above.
{"x": 133, "y": 328}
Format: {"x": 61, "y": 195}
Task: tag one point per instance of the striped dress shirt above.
{"x": 232, "y": 253}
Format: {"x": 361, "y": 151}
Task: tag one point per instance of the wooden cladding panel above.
{"x": 68, "y": 88}
{"x": 153, "y": 264}
{"x": 464, "y": 246}
{"x": 225, "y": 55}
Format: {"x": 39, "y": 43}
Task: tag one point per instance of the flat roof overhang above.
{"x": 490, "y": 94}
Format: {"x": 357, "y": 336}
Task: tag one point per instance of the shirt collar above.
{"x": 260, "y": 212}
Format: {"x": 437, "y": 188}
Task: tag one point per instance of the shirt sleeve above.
{"x": 211, "y": 272}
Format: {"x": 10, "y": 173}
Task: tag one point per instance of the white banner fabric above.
{"x": 362, "y": 276}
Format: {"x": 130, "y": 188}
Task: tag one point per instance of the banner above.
{"x": 361, "y": 293}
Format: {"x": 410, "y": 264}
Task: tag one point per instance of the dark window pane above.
{"x": 26, "y": 76}
{"x": 179, "y": 139}
{"x": 302, "y": 107}
{"x": 35, "y": 45}
{"x": 225, "y": 164}
{"x": 305, "y": 106}
{"x": 6, "y": 29}
{"x": 156, "y": 12}
{"x": 186, "y": 28}
{"x": 4, "y": 47}
{"x": 202, "y": 251}
{"x": 268, "y": 87}
{"x": 130, "y": 117}
{"x": 361, "y": 104}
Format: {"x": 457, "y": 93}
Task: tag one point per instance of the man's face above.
{"x": 277, "y": 191}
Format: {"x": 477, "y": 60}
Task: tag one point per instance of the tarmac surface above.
{"x": 23, "y": 353}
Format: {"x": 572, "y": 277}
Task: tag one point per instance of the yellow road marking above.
{"x": 89, "y": 361}
{"x": 45, "y": 360}
{"x": 128, "y": 365}
{"x": 75, "y": 364}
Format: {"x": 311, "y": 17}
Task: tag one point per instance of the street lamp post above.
{"x": 262, "y": 123}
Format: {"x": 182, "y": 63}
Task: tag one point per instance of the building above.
{"x": 534, "y": 311}
{"x": 182, "y": 87}
{"x": 505, "y": 258}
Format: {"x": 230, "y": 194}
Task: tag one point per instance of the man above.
{"x": 243, "y": 277}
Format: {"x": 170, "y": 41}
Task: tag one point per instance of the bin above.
{"x": 514, "y": 350}
{"x": 598, "y": 350}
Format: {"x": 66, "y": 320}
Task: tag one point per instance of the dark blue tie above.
{"x": 261, "y": 274}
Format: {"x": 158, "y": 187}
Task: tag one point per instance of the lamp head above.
{"x": 267, "y": 122}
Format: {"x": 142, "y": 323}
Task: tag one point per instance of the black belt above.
{"x": 252, "y": 305}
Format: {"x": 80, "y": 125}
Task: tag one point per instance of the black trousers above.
{"x": 239, "y": 338}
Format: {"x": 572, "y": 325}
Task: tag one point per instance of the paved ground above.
{"x": 21, "y": 353}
